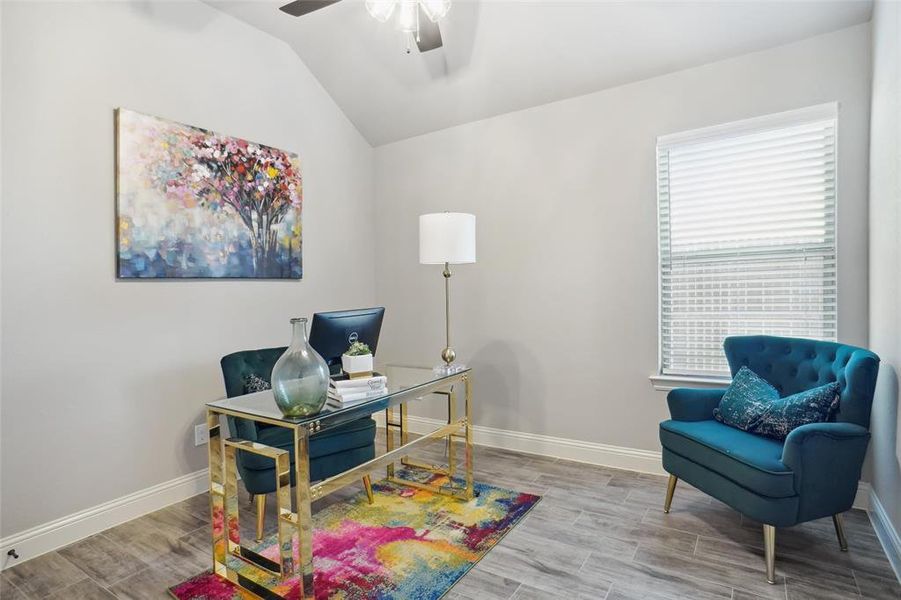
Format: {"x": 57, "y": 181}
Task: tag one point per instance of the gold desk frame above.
{"x": 297, "y": 524}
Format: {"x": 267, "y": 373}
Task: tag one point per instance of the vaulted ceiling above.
{"x": 501, "y": 55}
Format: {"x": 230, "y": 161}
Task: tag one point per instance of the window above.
{"x": 747, "y": 235}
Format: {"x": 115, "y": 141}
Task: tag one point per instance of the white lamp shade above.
{"x": 447, "y": 238}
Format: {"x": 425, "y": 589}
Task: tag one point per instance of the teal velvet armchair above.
{"x": 812, "y": 474}
{"x": 331, "y": 452}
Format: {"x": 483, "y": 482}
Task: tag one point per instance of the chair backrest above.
{"x": 793, "y": 365}
{"x": 238, "y": 366}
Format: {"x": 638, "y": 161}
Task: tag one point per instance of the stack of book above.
{"x": 343, "y": 390}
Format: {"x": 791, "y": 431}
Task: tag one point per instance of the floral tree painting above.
{"x": 196, "y": 204}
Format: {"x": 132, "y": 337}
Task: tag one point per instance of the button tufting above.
{"x": 787, "y": 350}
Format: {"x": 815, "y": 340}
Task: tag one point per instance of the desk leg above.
{"x": 389, "y": 438}
{"x": 303, "y": 511}
{"x": 451, "y": 418}
{"x": 467, "y": 382}
{"x": 404, "y": 431}
{"x": 217, "y": 494}
{"x": 286, "y": 524}
{"x": 232, "y": 529}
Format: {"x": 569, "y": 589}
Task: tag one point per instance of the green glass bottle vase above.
{"x": 300, "y": 376}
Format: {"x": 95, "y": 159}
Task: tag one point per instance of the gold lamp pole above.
{"x": 448, "y": 239}
{"x": 448, "y": 353}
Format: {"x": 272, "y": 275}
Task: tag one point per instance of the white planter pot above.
{"x": 356, "y": 364}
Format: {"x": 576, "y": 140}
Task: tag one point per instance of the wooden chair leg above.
{"x": 769, "y": 550}
{"x": 367, "y": 485}
{"x": 261, "y": 514}
{"x": 840, "y": 531}
{"x": 670, "y": 488}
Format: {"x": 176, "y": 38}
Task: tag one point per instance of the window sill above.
{"x": 665, "y": 383}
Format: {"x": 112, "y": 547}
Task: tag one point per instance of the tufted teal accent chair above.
{"x": 812, "y": 474}
{"x": 331, "y": 451}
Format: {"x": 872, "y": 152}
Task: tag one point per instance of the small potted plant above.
{"x": 357, "y": 360}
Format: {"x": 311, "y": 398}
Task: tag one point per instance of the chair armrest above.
{"x": 834, "y": 432}
{"x": 693, "y": 404}
{"x": 826, "y": 459}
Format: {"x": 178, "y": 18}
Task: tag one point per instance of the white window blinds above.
{"x": 747, "y": 235}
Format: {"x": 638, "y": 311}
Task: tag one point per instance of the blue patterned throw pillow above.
{"x": 780, "y": 416}
{"x": 753, "y": 405}
{"x": 254, "y": 383}
{"x": 745, "y": 400}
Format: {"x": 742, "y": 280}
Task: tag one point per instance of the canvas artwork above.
{"x": 192, "y": 203}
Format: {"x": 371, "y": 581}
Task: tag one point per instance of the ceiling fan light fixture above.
{"x": 435, "y": 10}
{"x": 407, "y": 17}
{"x": 381, "y": 10}
{"x": 422, "y": 30}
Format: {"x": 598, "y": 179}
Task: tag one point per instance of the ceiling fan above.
{"x": 418, "y": 18}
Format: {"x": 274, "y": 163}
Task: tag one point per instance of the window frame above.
{"x": 820, "y": 112}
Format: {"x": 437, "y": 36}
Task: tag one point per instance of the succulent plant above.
{"x": 358, "y": 349}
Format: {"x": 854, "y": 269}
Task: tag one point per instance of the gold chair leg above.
{"x": 367, "y": 484}
{"x": 840, "y": 531}
{"x": 670, "y": 488}
{"x": 261, "y": 514}
{"x": 769, "y": 550}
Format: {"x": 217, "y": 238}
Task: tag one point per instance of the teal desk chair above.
{"x": 331, "y": 452}
{"x": 812, "y": 474}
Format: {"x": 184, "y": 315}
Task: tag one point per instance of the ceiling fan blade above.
{"x": 299, "y": 8}
{"x": 429, "y": 34}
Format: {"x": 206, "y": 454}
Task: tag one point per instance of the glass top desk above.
{"x": 290, "y": 577}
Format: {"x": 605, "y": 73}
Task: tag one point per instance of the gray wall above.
{"x": 559, "y": 315}
{"x": 884, "y": 469}
{"x": 104, "y": 380}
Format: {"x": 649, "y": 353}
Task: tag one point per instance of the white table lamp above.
{"x": 448, "y": 239}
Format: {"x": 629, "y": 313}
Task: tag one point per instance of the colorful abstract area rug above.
{"x": 410, "y": 544}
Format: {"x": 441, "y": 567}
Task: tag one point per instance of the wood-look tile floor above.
{"x": 598, "y": 533}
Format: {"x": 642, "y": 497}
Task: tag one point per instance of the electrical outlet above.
{"x": 201, "y": 435}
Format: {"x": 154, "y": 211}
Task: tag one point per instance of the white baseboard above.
{"x": 632, "y": 459}
{"x": 66, "y": 530}
{"x": 886, "y": 532}
{"x": 617, "y": 457}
